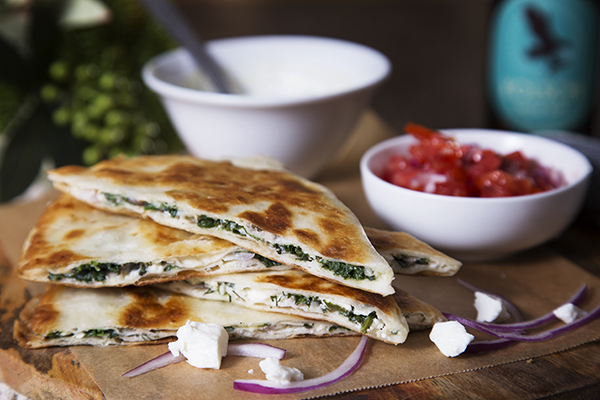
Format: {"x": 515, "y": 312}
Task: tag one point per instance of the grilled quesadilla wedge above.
{"x": 67, "y": 316}
{"x": 273, "y": 213}
{"x": 419, "y": 314}
{"x": 77, "y": 245}
{"x": 409, "y": 256}
{"x": 298, "y": 293}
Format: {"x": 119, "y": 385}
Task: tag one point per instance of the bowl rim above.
{"x": 170, "y": 90}
{"x": 367, "y": 172}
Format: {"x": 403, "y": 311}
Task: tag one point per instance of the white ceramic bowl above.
{"x": 480, "y": 229}
{"x": 303, "y": 96}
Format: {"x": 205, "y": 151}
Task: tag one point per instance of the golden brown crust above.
{"x": 145, "y": 311}
{"x": 389, "y": 243}
{"x": 63, "y": 316}
{"x": 272, "y": 201}
{"x": 426, "y": 314}
{"x": 70, "y": 233}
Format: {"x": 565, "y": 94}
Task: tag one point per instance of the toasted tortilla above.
{"x": 419, "y": 314}
{"x": 298, "y": 293}
{"x": 75, "y": 244}
{"x": 408, "y": 255}
{"x": 273, "y": 213}
{"x": 67, "y": 316}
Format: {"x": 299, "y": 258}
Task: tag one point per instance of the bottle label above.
{"x": 542, "y": 63}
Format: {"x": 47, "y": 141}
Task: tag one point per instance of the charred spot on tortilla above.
{"x": 145, "y": 311}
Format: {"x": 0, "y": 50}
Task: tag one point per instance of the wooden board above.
{"x": 40, "y": 374}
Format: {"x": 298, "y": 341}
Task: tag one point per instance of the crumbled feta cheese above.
{"x": 567, "y": 312}
{"x": 490, "y": 308}
{"x": 202, "y": 344}
{"x": 279, "y": 373}
{"x": 450, "y": 337}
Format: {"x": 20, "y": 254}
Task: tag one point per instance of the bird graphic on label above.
{"x": 549, "y": 46}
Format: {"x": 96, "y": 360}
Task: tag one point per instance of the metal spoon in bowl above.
{"x": 172, "y": 20}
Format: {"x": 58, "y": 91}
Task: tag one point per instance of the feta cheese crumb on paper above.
{"x": 490, "y": 308}
{"x": 279, "y": 373}
{"x": 568, "y": 312}
{"x": 203, "y": 345}
{"x": 450, "y": 337}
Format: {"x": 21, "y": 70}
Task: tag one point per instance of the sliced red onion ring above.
{"x": 512, "y": 309}
{"x": 576, "y": 299}
{"x": 259, "y": 350}
{"x": 158, "y": 362}
{"x": 515, "y": 329}
{"x": 345, "y": 369}
{"x": 549, "y": 334}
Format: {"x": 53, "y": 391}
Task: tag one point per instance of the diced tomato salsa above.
{"x": 438, "y": 164}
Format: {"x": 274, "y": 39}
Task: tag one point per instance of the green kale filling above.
{"x": 90, "y": 272}
{"x": 168, "y": 267}
{"x": 336, "y": 327}
{"x": 301, "y": 299}
{"x": 119, "y": 200}
{"x": 207, "y": 222}
{"x": 308, "y": 326}
{"x": 54, "y": 335}
{"x": 365, "y": 321}
{"x": 172, "y": 210}
{"x": 110, "y": 333}
{"x": 345, "y": 270}
{"x": 95, "y": 271}
{"x": 291, "y": 249}
{"x": 229, "y": 329}
{"x": 406, "y": 261}
{"x": 267, "y": 262}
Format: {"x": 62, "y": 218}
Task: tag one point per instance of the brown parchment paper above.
{"x": 537, "y": 281}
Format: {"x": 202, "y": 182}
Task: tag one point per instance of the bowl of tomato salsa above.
{"x": 476, "y": 194}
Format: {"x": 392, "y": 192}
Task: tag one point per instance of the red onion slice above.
{"x": 514, "y": 329}
{"x": 259, "y": 350}
{"x": 158, "y": 362}
{"x": 549, "y": 334}
{"x": 267, "y": 387}
{"x": 512, "y": 309}
{"x": 576, "y": 299}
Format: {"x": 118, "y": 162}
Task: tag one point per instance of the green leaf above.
{"x": 23, "y": 157}
{"x": 44, "y": 35}
{"x": 64, "y": 148}
{"x": 13, "y": 67}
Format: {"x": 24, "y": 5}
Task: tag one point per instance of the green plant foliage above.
{"x": 78, "y": 98}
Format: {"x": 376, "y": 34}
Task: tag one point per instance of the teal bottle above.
{"x": 542, "y": 63}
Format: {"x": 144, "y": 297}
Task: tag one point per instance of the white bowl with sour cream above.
{"x": 298, "y": 97}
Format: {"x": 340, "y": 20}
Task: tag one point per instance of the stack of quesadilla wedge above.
{"x": 212, "y": 231}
